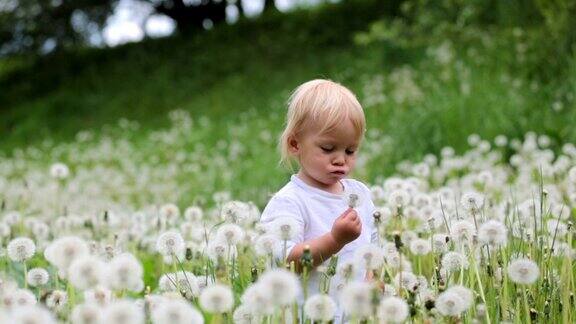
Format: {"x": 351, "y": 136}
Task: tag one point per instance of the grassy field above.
{"x": 132, "y": 179}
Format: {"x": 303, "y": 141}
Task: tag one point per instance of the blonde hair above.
{"x": 324, "y": 104}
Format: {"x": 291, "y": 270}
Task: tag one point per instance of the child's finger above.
{"x": 347, "y": 212}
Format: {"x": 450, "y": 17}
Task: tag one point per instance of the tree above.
{"x": 269, "y": 5}
{"x": 36, "y": 25}
{"x": 192, "y": 17}
{"x": 46, "y": 25}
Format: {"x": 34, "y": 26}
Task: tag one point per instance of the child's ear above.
{"x": 293, "y": 145}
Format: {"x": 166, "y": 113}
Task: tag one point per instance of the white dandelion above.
{"x": 370, "y": 256}
{"x": 86, "y": 313}
{"x": 57, "y": 299}
{"x": 268, "y": 244}
{"x": 462, "y": 231}
{"x": 406, "y": 280}
{"x": 232, "y": 234}
{"x": 99, "y": 295}
{"x": 449, "y": 303}
{"x": 122, "y": 312}
{"x": 285, "y": 227}
{"x": 219, "y": 250}
{"x": 217, "y": 299}
{"x": 170, "y": 243}
{"x": 193, "y": 214}
{"x": 347, "y": 269}
{"x": 420, "y": 246}
{"x": 320, "y": 308}
{"x": 59, "y": 171}
{"x": 493, "y": 233}
{"x": 176, "y": 312}
{"x": 21, "y": 249}
{"x": 283, "y": 286}
{"x": 399, "y": 197}
{"x": 356, "y": 299}
{"x": 181, "y": 282}
{"x": 37, "y": 277}
{"x": 23, "y": 297}
{"x": 523, "y": 271}
{"x": 62, "y": 251}
{"x": 243, "y": 315}
{"x": 169, "y": 212}
{"x": 235, "y": 212}
{"x": 454, "y": 261}
{"x": 472, "y": 201}
{"x": 392, "y": 310}
{"x": 124, "y": 272}
{"x": 257, "y": 300}
{"x": 31, "y": 315}
{"x": 86, "y": 272}
{"x": 466, "y": 295}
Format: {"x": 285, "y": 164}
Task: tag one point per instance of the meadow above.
{"x": 131, "y": 184}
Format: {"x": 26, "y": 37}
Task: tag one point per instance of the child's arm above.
{"x": 346, "y": 228}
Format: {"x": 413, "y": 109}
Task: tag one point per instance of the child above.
{"x": 324, "y": 129}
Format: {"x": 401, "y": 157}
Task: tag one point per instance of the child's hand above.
{"x": 347, "y": 227}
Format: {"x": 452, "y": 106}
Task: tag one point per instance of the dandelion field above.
{"x": 485, "y": 236}
{"x": 469, "y": 155}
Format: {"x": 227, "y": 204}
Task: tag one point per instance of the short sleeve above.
{"x": 282, "y": 206}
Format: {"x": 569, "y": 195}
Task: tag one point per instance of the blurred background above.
{"x": 202, "y": 85}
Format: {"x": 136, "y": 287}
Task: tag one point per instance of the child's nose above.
{"x": 339, "y": 159}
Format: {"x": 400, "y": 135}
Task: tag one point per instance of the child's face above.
{"x": 326, "y": 158}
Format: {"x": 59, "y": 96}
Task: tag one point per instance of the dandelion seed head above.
{"x": 86, "y": 314}
{"x": 170, "y": 243}
{"x": 59, "y": 171}
{"x": 369, "y": 255}
{"x": 31, "y": 314}
{"x": 193, "y": 214}
{"x": 420, "y": 246}
{"x": 454, "y": 261}
{"x": 57, "y": 299}
{"x": 493, "y": 232}
{"x": 122, "y": 312}
{"x": 217, "y": 298}
{"x": 232, "y": 234}
{"x": 283, "y": 286}
{"x": 355, "y": 298}
{"x": 523, "y": 271}
{"x": 124, "y": 272}
{"x": 21, "y": 249}
{"x": 449, "y": 303}
{"x": 285, "y": 227}
{"x": 37, "y": 277}
{"x": 320, "y": 308}
{"x": 176, "y": 312}
{"x": 392, "y": 310}
{"x": 86, "y": 272}
{"x": 462, "y": 231}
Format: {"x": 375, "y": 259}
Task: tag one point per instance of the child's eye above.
{"x": 349, "y": 152}
{"x": 326, "y": 149}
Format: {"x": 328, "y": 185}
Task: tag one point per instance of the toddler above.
{"x": 324, "y": 129}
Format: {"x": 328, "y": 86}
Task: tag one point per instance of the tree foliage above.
{"x": 46, "y": 25}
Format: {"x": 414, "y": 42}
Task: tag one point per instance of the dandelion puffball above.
{"x": 176, "y": 312}
{"x": 320, "y": 308}
{"x": 21, "y": 249}
{"x": 217, "y": 299}
{"x": 523, "y": 271}
{"x": 392, "y": 310}
{"x": 170, "y": 243}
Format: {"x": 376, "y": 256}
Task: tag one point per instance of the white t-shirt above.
{"x": 315, "y": 210}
